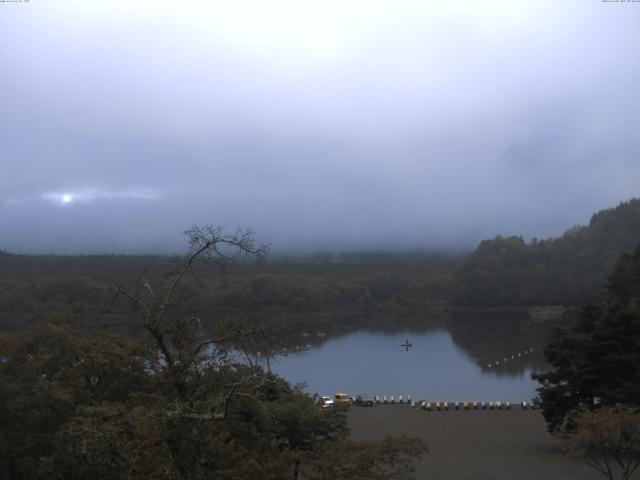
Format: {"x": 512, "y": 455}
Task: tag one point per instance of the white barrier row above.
{"x": 444, "y": 406}
{"x": 392, "y": 399}
{"x": 425, "y": 405}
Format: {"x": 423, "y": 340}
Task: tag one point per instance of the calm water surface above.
{"x": 435, "y": 368}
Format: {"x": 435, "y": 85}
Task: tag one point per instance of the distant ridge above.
{"x": 566, "y": 270}
{"x": 570, "y": 270}
{"x": 14, "y": 266}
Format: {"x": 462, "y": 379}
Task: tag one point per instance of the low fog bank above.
{"x": 339, "y": 126}
{"x": 156, "y": 228}
{"x": 60, "y": 236}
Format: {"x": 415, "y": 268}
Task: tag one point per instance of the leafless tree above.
{"x": 174, "y": 325}
{"x": 609, "y": 440}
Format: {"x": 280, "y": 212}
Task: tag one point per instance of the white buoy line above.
{"x": 505, "y": 360}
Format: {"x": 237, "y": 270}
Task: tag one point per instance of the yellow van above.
{"x": 342, "y": 399}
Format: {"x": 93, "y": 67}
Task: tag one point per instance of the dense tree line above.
{"x": 569, "y": 270}
{"x": 289, "y": 296}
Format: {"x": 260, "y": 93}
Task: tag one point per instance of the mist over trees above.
{"x": 568, "y": 270}
{"x": 328, "y": 292}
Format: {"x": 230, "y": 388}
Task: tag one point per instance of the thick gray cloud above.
{"x": 322, "y": 125}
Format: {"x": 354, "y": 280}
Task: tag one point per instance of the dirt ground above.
{"x": 474, "y": 445}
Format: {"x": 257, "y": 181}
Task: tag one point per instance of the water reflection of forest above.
{"x": 487, "y": 337}
{"x": 491, "y": 337}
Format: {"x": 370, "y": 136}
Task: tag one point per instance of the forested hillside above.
{"x": 569, "y": 270}
{"x": 328, "y": 292}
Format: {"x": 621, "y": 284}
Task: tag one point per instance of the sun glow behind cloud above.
{"x": 92, "y": 195}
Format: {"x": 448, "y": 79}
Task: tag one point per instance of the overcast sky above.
{"x": 323, "y": 125}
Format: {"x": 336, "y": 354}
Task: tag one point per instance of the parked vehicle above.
{"x": 327, "y": 401}
{"x": 342, "y": 399}
{"x": 364, "y": 401}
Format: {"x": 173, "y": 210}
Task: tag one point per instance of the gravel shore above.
{"x": 474, "y": 445}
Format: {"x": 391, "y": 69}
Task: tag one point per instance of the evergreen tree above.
{"x": 597, "y": 362}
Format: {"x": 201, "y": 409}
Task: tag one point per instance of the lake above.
{"x": 466, "y": 361}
